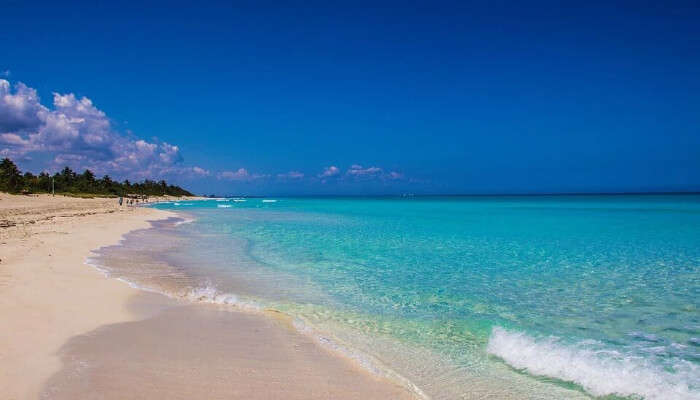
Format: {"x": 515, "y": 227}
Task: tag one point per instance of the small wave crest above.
{"x": 223, "y": 205}
{"x": 599, "y": 371}
{"x": 184, "y": 221}
{"x": 209, "y": 294}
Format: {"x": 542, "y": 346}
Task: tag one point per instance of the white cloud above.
{"x": 13, "y": 139}
{"x": 238, "y": 175}
{"x": 20, "y": 111}
{"x": 359, "y": 171}
{"x": 329, "y": 172}
{"x": 200, "y": 171}
{"x": 80, "y": 135}
{"x": 291, "y": 175}
{"x": 241, "y": 175}
{"x": 396, "y": 175}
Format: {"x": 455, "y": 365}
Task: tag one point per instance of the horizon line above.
{"x": 409, "y": 195}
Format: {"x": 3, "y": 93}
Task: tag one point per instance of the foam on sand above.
{"x": 599, "y": 371}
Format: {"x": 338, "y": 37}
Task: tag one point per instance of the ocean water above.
{"x": 455, "y": 297}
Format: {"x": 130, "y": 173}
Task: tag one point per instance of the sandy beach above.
{"x": 70, "y": 332}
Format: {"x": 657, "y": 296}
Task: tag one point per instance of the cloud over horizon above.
{"x": 73, "y": 132}
{"x": 80, "y": 135}
{"x": 357, "y": 171}
{"x": 329, "y": 172}
{"x": 240, "y": 175}
{"x": 291, "y": 175}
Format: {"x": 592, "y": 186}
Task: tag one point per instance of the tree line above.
{"x": 67, "y": 181}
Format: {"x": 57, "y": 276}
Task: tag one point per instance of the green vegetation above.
{"x": 69, "y": 182}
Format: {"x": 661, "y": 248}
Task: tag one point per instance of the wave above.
{"x": 269, "y": 201}
{"x": 599, "y": 371}
{"x": 184, "y": 221}
{"x": 223, "y": 205}
{"x": 209, "y": 294}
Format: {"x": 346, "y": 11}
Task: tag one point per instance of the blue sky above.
{"x": 358, "y": 97}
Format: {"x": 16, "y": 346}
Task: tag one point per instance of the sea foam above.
{"x": 184, "y": 221}
{"x": 209, "y": 294}
{"x": 599, "y": 371}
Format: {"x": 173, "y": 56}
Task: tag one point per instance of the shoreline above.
{"x": 47, "y": 293}
{"x": 232, "y": 302}
{"x": 51, "y": 298}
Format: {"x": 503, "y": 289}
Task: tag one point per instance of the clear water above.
{"x": 469, "y": 297}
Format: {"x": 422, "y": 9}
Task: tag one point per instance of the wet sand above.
{"x": 206, "y": 352}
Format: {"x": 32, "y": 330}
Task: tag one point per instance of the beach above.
{"x": 69, "y": 331}
{"x": 453, "y": 297}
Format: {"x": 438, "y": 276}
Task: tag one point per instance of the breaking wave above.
{"x": 599, "y": 371}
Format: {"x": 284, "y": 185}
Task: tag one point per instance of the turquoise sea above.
{"x": 542, "y": 297}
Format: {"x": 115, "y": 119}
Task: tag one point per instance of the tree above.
{"x": 10, "y": 177}
{"x": 67, "y": 181}
{"x": 106, "y": 181}
{"x": 43, "y": 182}
{"x": 68, "y": 177}
{"x": 29, "y": 182}
{"x": 86, "y": 181}
{"x": 88, "y": 176}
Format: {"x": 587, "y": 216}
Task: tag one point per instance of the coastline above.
{"x": 47, "y": 292}
{"x": 51, "y": 301}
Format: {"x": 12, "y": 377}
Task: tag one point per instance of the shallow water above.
{"x": 465, "y": 297}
